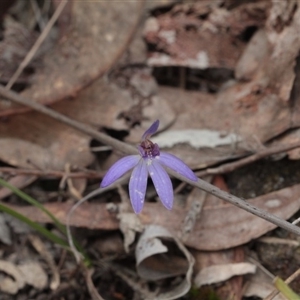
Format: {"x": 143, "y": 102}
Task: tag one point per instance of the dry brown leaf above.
{"x": 18, "y": 181}
{"x": 29, "y": 272}
{"x": 227, "y": 112}
{"x": 5, "y": 236}
{"x": 34, "y": 140}
{"x": 15, "y": 281}
{"x": 192, "y": 34}
{"x": 258, "y": 110}
{"x": 232, "y": 288}
{"x": 253, "y": 56}
{"x": 219, "y": 273}
{"x": 292, "y": 136}
{"x": 39, "y": 246}
{"x": 89, "y": 48}
{"x": 34, "y": 274}
{"x": 219, "y": 227}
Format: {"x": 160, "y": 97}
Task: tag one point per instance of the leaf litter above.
{"x": 232, "y": 68}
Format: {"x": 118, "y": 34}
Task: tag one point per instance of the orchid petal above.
{"x": 151, "y": 130}
{"x": 138, "y": 185}
{"x": 162, "y": 183}
{"x": 119, "y": 168}
{"x": 176, "y": 165}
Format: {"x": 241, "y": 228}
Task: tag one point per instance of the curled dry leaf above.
{"x": 152, "y": 266}
{"x": 29, "y": 272}
{"x": 89, "y": 49}
{"x": 130, "y": 224}
{"x": 14, "y": 281}
{"x": 219, "y": 273}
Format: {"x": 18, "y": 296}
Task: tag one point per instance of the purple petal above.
{"x": 120, "y": 168}
{"x": 177, "y": 165}
{"x": 151, "y": 130}
{"x": 162, "y": 183}
{"x": 138, "y": 185}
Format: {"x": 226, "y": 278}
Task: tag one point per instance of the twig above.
{"x": 36, "y": 45}
{"x": 40, "y": 247}
{"x": 105, "y": 139}
{"x": 75, "y": 206}
{"x": 128, "y": 149}
{"x": 52, "y": 173}
{"x": 229, "y": 167}
{"x": 195, "y": 209}
{"x": 37, "y": 14}
{"x": 201, "y": 184}
{"x": 90, "y": 284}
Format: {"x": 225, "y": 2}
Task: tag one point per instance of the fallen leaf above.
{"x": 33, "y": 140}
{"x": 152, "y": 266}
{"x": 39, "y": 246}
{"x": 197, "y": 138}
{"x": 17, "y": 226}
{"x": 77, "y": 59}
{"x": 34, "y": 274}
{"x": 257, "y": 110}
{"x": 14, "y": 281}
{"x": 219, "y": 227}
{"x": 18, "y": 181}
{"x": 231, "y": 288}
{"x": 253, "y": 56}
{"x": 190, "y": 34}
{"x": 5, "y": 236}
{"x": 219, "y": 273}
{"x": 130, "y": 224}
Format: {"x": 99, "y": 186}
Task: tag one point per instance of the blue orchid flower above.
{"x": 150, "y": 160}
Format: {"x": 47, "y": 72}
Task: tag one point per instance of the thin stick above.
{"x": 128, "y": 149}
{"x": 209, "y": 188}
{"x": 81, "y": 201}
{"x": 105, "y": 139}
{"x": 36, "y": 45}
{"x": 229, "y": 167}
{"x": 52, "y": 173}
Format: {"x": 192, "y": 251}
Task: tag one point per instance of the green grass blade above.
{"x": 285, "y": 289}
{"x": 42, "y": 230}
{"x": 57, "y": 223}
{"x": 35, "y": 203}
